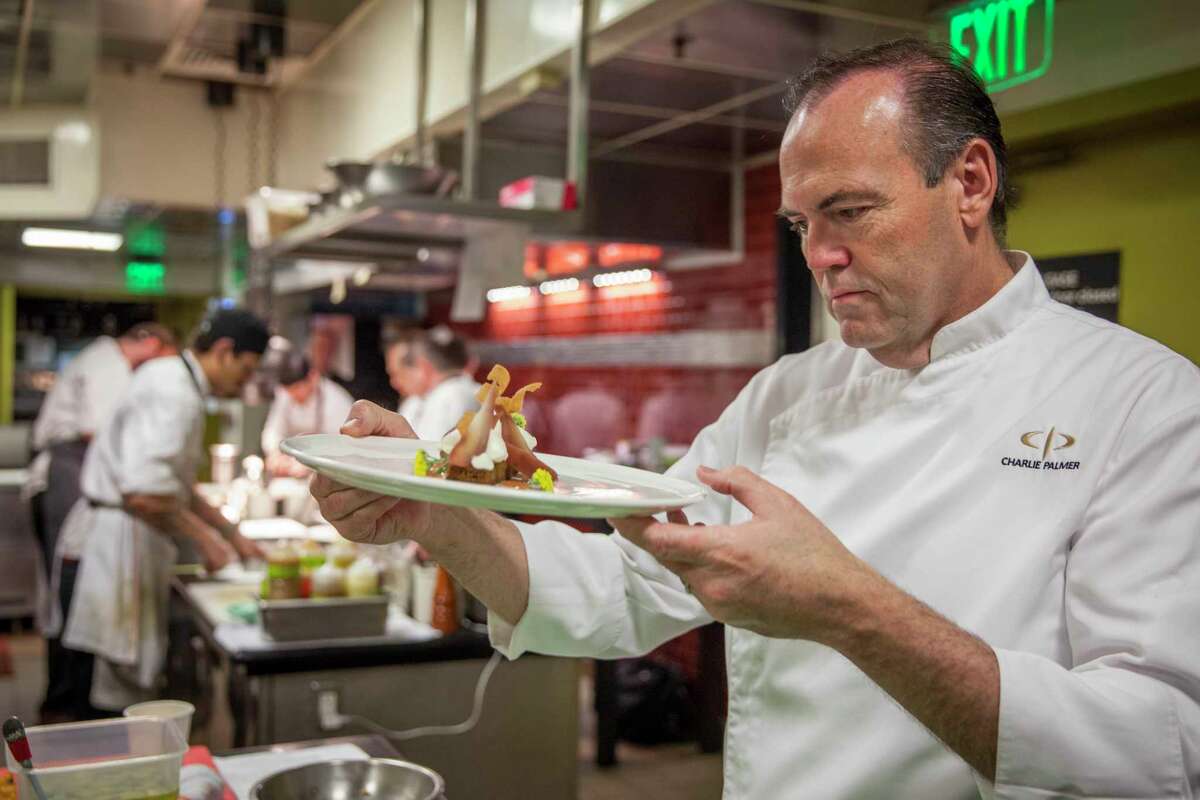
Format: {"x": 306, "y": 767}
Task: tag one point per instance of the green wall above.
{"x": 1138, "y": 193}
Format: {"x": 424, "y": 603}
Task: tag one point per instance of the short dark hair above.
{"x": 293, "y": 369}
{"x": 150, "y": 330}
{"x": 248, "y": 333}
{"x": 445, "y": 349}
{"x": 947, "y": 107}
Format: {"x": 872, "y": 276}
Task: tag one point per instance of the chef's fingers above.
{"x": 667, "y": 541}
{"x": 754, "y": 492}
{"x": 363, "y": 524}
{"x": 367, "y": 419}
{"x": 678, "y": 517}
{"x": 340, "y": 505}
{"x": 322, "y": 486}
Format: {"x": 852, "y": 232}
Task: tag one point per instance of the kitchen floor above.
{"x": 669, "y": 772}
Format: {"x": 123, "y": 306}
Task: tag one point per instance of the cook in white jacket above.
{"x": 429, "y": 370}
{"x": 305, "y": 402}
{"x": 958, "y": 552}
{"x": 138, "y": 499}
{"x": 79, "y": 404}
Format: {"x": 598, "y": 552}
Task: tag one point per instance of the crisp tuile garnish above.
{"x": 475, "y": 438}
{"x": 498, "y": 416}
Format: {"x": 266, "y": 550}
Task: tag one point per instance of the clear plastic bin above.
{"x": 133, "y": 758}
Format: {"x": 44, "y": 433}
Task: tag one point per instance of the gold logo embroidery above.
{"x": 1051, "y": 440}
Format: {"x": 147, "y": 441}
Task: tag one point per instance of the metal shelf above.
{"x": 379, "y": 224}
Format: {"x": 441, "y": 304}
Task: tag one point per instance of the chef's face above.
{"x": 303, "y": 389}
{"x": 406, "y": 378}
{"x": 232, "y": 371}
{"x": 882, "y": 246}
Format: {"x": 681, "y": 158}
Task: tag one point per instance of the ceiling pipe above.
{"x": 17, "y": 95}
{"x": 422, "y": 23}
{"x": 577, "y": 120}
{"x": 476, "y": 35}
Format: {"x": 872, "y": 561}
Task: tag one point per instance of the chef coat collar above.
{"x": 189, "y": 360}
{"x": 1000, "y": 315}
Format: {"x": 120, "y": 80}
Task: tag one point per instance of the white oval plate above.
{"x": 584, "y": 489}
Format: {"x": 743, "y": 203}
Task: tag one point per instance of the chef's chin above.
{"x": 864, "y": 333}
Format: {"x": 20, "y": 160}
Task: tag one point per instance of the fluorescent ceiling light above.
{"x": 71, "y": 239}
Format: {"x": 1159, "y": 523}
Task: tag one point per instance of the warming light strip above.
{"x": 71, "y": 239}
{"x": 622, "y": 278}
{"x": 558, "y": 286}
{"x": 508, "y": 293}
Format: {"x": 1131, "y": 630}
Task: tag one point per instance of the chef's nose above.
{"x": 824, "y": 252}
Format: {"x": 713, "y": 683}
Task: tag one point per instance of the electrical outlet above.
{"x": 329, "y": 717}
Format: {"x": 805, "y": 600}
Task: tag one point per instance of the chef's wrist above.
{"x": 859, "y": 612}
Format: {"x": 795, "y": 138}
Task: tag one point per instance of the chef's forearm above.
{"x": 945, "y": 677}
{"x": 168, "y": 517}
{"x": 211, "y": 515}
{"x": 486, "y": 554}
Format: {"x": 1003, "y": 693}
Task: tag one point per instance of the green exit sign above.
{"x": 1009, "y": 42}
{"x": 145, "y": 277}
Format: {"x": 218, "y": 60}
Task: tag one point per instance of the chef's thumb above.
{"x": 368, "y": 419}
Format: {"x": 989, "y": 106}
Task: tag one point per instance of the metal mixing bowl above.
{"x": 373, "y": 779}
{"x": 390, "y": 177}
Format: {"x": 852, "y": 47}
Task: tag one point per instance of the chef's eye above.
{"x": 851, "y": 214}
{"x": 800, "y": 228}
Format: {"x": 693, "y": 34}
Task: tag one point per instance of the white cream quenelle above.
{"x": 496, "y": 450}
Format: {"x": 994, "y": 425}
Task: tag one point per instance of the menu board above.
{"x": 1090, "y": 282}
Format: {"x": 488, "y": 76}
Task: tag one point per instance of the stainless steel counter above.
{"x": 531, "y": 705}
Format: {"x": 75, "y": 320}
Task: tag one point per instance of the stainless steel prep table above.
{"x": 530, "y": 714}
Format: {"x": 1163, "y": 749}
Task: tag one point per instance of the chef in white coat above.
{"x": 305, "y": 402}
{"x": 79, "y": 404}
{"x": 429, "y": 370}
{"x": 139, "y": 500}
{"x": 957, "y": 552}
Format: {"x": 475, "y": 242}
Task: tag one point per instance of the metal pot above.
{"x": 373, "y": 779}
{"x": 393, "y": 177}
{"x": 352, "y": 179}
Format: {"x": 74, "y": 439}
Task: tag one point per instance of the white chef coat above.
{"x": 1079, "y": 565}
{"x": 440, "y": 410}
{"x": 152, "y": 446}
{"x": 324, "y": 412}
{"x": 80, "y": 402}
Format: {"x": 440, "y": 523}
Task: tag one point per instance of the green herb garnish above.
{"x": 541, "y": 480}
{"x": 421, "y": 464}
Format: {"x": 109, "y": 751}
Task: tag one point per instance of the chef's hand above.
{"x": 246, "y": 549}
{"x": 782, "y": 574}
{"x": 215, "y": 552}
{"x": 283, "y": 465}
{"x": 367, "y": 517}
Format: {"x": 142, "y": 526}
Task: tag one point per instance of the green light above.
{"x": 1008, "y": 42}
{"x": 145, "y": 239}
{"x": 145, "y": 277}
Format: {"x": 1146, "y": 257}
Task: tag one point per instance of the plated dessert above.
{"x": 491, "y": 446}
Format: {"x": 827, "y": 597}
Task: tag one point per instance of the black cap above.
{"x": 248, "y": 333}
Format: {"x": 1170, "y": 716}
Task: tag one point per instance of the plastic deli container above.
{"x": 134, "y": 758}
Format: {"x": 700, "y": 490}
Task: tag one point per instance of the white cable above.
{"x": 437, "y": 730}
